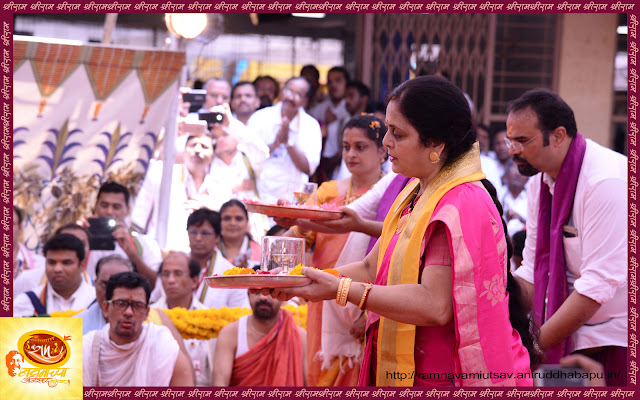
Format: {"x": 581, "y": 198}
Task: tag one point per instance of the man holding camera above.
{"x": 110, "y": 235}
{"x": 224, "y": 126}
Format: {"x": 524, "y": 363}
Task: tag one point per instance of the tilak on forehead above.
{"x": 510, "y": 131}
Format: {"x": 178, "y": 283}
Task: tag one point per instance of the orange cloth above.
{"x": 276, "y": 360}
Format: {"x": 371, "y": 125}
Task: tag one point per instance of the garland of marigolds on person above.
{"x": 205, "y": 324}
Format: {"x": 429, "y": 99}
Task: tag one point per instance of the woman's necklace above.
{"x": 405, "y": 218}
{"x": 350, "y": 196}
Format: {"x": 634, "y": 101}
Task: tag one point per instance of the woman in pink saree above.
{"x": 443, "y": 308}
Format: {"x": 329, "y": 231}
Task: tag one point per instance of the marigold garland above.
{"x": 297, "y": 270}
{"x": 65, "y": 314}
{"x": 205, "y": 324}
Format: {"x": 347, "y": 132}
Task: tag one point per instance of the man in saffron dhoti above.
{"x": 265, "y": 348}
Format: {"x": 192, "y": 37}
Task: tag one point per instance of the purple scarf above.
{"x": 549, "y": 268}
{"x": 393, "y": 190}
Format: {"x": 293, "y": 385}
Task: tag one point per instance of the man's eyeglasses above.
{"x": 194, "y": 233}
{"x": 138, "y": 307}
{"x": 519, "y": 146}
{"x": 287, "y": 92}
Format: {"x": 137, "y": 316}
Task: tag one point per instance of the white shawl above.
{"x": 147, "y": 361}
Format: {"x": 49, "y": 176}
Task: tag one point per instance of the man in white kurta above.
{"x": 65, "y": 288}
{"x": 294, "y": 141}
{"x": 179, "y": 276}
{"x": 128, "y": 352}
{"x": 192, "y": 187}
{"x": 143, "y": 251}
{"x": 514, "y": 200}
{"x": 235, "y": 177}
{"x": 332, "y": 113}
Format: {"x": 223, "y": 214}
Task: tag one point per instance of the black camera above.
{"x": 196, "y": 98}
{"x": 210, "y": 117}
{"x": 101, "y": 233}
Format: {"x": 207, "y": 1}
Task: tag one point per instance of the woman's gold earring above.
{"x": 434, "y": 157}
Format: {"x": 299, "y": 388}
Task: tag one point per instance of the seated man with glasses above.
{"x": 293, "y": 137}
{"x": 127, "y": 352}
{"x": 179, "y": 274}
{"x": 203, "y": 227}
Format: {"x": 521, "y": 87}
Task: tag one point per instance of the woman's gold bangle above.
{"x": 365, "y": 295}
{"x": 343, "y": 291}
{"x": 300, "y": 233}
{"x": 340, "y": 285}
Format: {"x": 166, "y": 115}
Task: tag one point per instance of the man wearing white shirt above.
{"x": 244, "y": 100}
{"x": 356, "y": 102}
{"x": 179, "y": 274}
{"x": 484, "y": 140}
{"x": 31, "y": 279}
{"x": 492, "y": 169}
{"x": 331, "y": 113}
{"x": 203, "y": 227}
{"x": 514, "y": 200}
{"x": 293, "y": 138}
{"x": 575, "y": 257}
{"x": 192, "y": 187}
{"x": 235, "y": 177}
{"x": 65, "y": 288}
{"x": 217, "y": 101}
{"x": 143, "y": 251}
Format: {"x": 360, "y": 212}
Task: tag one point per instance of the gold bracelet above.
{"x": 300, "y": 233}
{"x": 346, "y": 288}
{"x": 343, "y": 281}
{"x": 342, "y": 299}
{"x": 365, "y": 294}
{"x": 340, "y": 285}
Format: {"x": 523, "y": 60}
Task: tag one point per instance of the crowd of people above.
{"x": 460, "y": 250}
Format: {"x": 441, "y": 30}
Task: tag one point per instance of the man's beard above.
{"x": 265, "y": 101}
{"x": 264, "y": 313}
{"x": 525, "y": 169}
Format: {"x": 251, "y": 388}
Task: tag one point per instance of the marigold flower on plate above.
{"x": 239, "y": 271}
